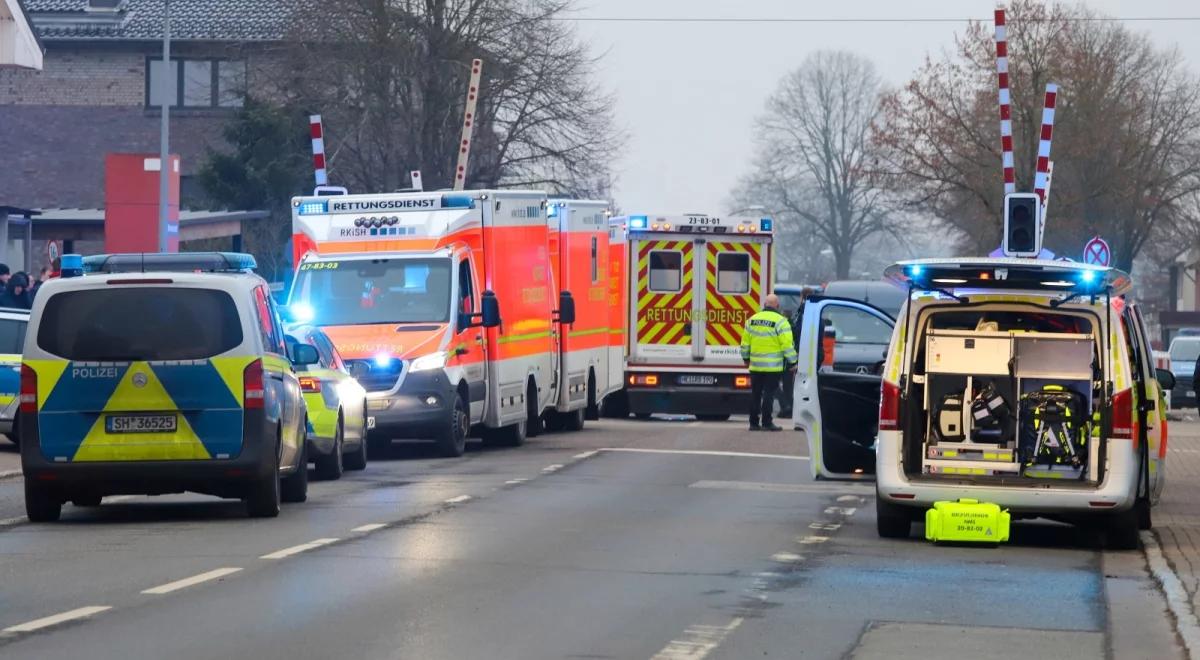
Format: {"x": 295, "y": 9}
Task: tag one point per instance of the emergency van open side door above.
{"x": 836, "y": 398}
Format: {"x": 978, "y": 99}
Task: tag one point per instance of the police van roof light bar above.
{"x": 180, "y": 262}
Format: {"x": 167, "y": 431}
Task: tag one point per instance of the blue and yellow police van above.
{"x": 13, "y": 323}
{"x": 160, "y": 373}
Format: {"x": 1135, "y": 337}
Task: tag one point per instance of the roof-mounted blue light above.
{"x": 638, "y": 222}
{"x": 458, "y": 202}
{"x": 915, "y": 270}
{"x": 71, "y": 265}
{"x": 175, "y": 262}
{"x": 320, "y": 207}
{"x": 552, "y": 210}
{"x": 1087, "y": 276}
{"x": 765, "y": 224}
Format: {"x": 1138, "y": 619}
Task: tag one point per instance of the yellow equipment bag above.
{"x": 969, "y": 521}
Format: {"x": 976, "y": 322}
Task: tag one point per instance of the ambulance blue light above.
{"x": 383, "y": 360}
{"x": 314, "y": 208}
{"x": 552, "y": 210}
{"x": 638, "y": 222}
{"x": 458, "y": 202}
{"x": 302, "y": 312}
{"x": 765, "y": 224}
{"x": 915, "y": 270}
{"x": 1087, "y": 276}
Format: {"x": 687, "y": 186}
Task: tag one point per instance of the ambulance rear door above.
{"x": 734, "y": 277}
{"x": 668, "y": 267}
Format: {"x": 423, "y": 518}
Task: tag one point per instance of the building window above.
{"x": 196, "y": 83}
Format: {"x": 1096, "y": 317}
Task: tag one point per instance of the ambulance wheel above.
{"x": 615, "y": 405}
{"x": 452, "y": 441}
{"x": 1142, "y": 507}
{"x": 512, "y": 435}
{"x": 592, "y": 412}
{"x": 554, "y": 422}
{"x": 573, "y": 421}
{"x": 892, "y": 521}
{"x": 1122, "y": 532}
{"x": 41, "y": 504}
{"x": 330, "y": 468}
{"x": 262, "y": 501}
{"x": 357, "y": 459}
{"x": 533, "y": 418}
{"x": 295, "y": 486}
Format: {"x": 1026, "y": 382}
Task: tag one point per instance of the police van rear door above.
{"x": 136, "y": 369}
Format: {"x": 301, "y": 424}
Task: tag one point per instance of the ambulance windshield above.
{"x": 369, "y": 291}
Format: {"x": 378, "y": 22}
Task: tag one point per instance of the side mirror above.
{"x": 566, "y": 308}
{"x": 304, "y": 355}
{"x": 490, "y": 310}
{"x": 1165, "y": 378}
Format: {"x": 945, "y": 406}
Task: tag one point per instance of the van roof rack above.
{"x": 177, "y": 262}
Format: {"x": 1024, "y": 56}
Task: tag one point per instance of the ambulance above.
{"x": 692, "y": 282}
{"x": 452, "y": 308}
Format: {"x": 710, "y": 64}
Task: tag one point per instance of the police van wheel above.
{"x": 357, "y": 459}
{"x": 330, "y": 468}
{"x": 892, "y": 521}
{"x": 1142, "y": 509}
{"x": 295, "y": 486}
{"x": 452, "y": 441}
{"x": 1122, "y": 531}
{"x": 41, "y": 504}
{"x": 263, "y": 499}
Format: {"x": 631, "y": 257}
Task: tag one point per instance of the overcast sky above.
{"x": 688, "y": 93}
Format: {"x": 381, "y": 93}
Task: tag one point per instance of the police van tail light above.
{"x": 29, "y": 389}
{"x": 309, "y": 384}
{"x": 1122, "y": 416}
{"x": 889, "y": 407}
{"x": 252, "y": 385}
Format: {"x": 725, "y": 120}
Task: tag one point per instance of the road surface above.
{"x": 662, "y": 539}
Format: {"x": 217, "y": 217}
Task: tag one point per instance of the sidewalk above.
{"x": 1177, "y": 516}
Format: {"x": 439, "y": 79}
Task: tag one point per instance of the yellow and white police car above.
{"x": 337, "y": 407}
{"x": 160, "y": 373}
{"x": 12, "y": 336}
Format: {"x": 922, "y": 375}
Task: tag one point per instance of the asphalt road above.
{"x": 661, "y": 539}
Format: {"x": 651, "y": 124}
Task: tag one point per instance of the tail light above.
{"x": 252, "y": 385}
{"x": 309, "y": 384}
{"x": 29, "y": 388}
{"x": 889, "y": 407}
{"x": 1122, "y": 416}
{"x": 741, "y": 382}
{"x": 644, "y": 380}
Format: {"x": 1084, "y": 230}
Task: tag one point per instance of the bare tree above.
{"x": 390, "y": 78}
{"x": 1125, "y": 138}
{"x": 815, "y": 157}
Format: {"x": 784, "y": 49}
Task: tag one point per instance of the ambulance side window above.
{"x": 666, "y": 271}
{"x": 595, "y": 260}
{"x": 466, "y": 288}
{"x": 733, "y": 272}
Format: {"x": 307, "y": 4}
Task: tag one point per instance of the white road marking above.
{"x": 586, "y": 454}
{"x": 369, "y": 528}
{"x": 552, "y": 468}
{"x": 456, "y": 500}
{"x": 516, "y": 481}
{"x": 770, "y": 487}
{"x": 192, "y": 581}
{"x": 297, "y": 549}
{"x": 697, "y": 642}
{"x": 825, "y": 526}
{"x": 850, "y": 498}
{"x": 701, "y": 452}
{"x": 786, "y": 557}
{"x": 6, "y": 522}
{"x": 810, "y": 540}
{"x": 1177, "y": 597}
{"x": 840, "y": 511}
{"x": 46, "y": 622}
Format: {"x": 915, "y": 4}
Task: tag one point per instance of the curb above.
{"x": 1186, "y": 623}
{"x": 11, "y": 474}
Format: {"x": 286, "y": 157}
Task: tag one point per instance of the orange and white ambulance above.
{"x": 447, "y": 307}
{"x": 692, "y": 283}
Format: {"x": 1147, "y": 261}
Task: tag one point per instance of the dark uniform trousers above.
{"x": 763, "y": 385}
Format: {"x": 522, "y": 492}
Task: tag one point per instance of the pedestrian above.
{"x": 16, "y": 292}
{"x": 42, "y": 278}
{"x": 767, "y": 348}
{"x": 5, "y": 273}
{"x": 789, "y": 376}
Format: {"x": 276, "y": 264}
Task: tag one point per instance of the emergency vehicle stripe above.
{"x": 652, "y": 328}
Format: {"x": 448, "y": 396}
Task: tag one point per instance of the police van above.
{"x": 13, "y": 323}
{"x": 1026, "y": 383}
{"x": 160, "y": 373}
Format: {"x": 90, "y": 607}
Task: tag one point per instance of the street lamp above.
{"x": 164, "y": 187}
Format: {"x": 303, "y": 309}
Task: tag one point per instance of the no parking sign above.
{"x": 1097, "y": 252}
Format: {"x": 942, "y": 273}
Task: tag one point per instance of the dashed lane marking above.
{"x": 516, "y": 481}
{"x": 840, "y": 511}
{"x": 787, "y": 557}
{"x": 697, "y": 642}
{"x": 771, "y": 487}
{"x": 551, "y": 468}
{"x": 457, "y": 500}
{"x": 586, "y": 454}
{"x": 811, "y": 540}
{"x": 215, "y": 574}
{"x": 701, "y": 452}
{"x": 54, "y": 620}
{"x": 369, "y": 528}
{"x": 297, "y": 549}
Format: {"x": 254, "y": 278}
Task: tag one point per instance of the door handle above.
{"x": 460, "y": 351}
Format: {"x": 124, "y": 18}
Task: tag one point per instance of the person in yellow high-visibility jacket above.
{"x": 767, "y": 348}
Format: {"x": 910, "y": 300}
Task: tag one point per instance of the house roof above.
{"x": 142, "y": 20}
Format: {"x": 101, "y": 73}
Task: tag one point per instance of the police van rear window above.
{"x": 122, "y": 324}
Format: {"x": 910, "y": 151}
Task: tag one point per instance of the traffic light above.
{"x": 1022, "y": 225}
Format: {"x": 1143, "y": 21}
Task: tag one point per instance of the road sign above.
{"x": 52, "y": 250}
{"x": 1097, "y": 252}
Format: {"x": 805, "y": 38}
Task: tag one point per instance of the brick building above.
{"x": 99, "y": 92}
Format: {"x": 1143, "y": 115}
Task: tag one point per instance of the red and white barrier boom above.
{"x": 464, "y": 147}
{"x": 1006, "y": 142}
{"x": 318, "y": 149}
{"x": 1042, "y": 178}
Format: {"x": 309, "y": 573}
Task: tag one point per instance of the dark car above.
{"x": 878, "y": 293}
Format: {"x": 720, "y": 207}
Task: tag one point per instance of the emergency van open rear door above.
{"x": 837, "y": 392}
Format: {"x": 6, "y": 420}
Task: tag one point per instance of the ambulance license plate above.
{"x": 141, "y": 423}
{"x": 694, "y": 379}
